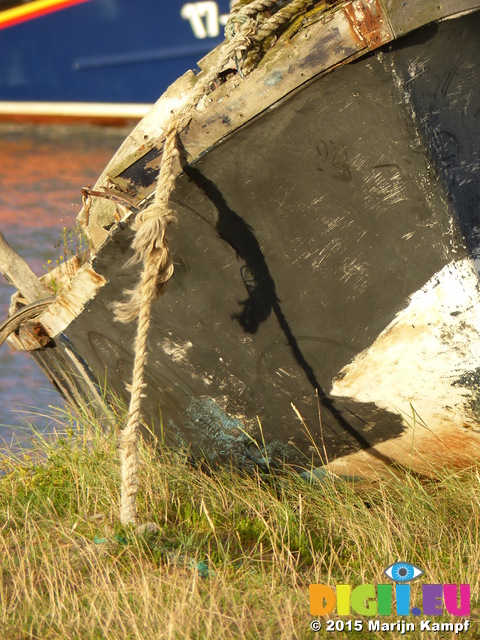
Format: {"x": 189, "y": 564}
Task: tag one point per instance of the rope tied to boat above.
{"x": 151, "y": 247}
{"x": 248, "y": 29}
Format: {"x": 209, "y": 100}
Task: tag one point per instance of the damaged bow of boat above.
{"x": 325, "y": 299}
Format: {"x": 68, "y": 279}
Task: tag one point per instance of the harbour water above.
{"x": 42, "y": 169}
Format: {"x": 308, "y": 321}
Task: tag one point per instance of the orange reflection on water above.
{"x": 42, "y": 170}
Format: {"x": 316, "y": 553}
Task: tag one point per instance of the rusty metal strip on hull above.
{"x": 369, "y": 23}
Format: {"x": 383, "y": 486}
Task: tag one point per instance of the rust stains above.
{"x": 422, "y": 452}
{"x": 32, "y": 335}
{"x": 97, "y": 279}
{"x": 369, "y": 24}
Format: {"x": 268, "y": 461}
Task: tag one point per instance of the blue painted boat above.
{"x": 99, "y": 58}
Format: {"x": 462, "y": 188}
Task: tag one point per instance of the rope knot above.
{"x": 160, "y": 212}
{"x": 238, "y": 23}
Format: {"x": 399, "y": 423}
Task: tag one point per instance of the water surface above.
{"x": 42, "y": 169}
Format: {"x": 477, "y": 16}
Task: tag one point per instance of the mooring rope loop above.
{"x": 249, "y": 26}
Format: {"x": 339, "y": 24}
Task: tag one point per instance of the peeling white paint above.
{"x": 420, "y": 357}
{"x": 72, "y": 300}
{"x": 176, "y": 351}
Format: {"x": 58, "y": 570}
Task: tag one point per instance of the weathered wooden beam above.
{"x": 17, "y": 272}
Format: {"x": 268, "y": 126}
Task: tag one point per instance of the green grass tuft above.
{"x": 234, "y": 554}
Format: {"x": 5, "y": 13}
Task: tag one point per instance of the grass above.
{"x": 234, "y": 556}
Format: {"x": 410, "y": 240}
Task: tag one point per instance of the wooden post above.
{"x": 19, "y": 274}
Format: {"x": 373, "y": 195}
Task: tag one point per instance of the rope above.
{"x": 260, "y": 31}
{"x": 246, "y": 32}
{"x": 151, "y": 246}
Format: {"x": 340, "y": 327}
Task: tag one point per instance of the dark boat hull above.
{"x": 325, "y": 302}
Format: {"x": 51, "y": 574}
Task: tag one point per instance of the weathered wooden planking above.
{"x": 334, "y": 38}
{"x": 343, "y": 33}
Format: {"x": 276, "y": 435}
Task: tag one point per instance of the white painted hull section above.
{"x": 420, "y": 363}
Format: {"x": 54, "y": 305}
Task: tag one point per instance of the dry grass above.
{"x": 235, "y": 553}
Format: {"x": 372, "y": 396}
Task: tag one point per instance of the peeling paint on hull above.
{"x": 422, "y": 360}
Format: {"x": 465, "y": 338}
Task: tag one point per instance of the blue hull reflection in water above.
{"x": 42, "y": 170}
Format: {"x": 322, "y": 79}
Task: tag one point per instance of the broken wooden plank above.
{"x": 18, "y": 273}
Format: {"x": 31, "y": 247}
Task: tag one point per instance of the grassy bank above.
{"x": 234, "y": 555}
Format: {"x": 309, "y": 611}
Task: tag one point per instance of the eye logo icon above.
{"x": 403, "y": 572}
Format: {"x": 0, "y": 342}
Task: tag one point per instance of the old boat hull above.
{"x": 325, "y": 303}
